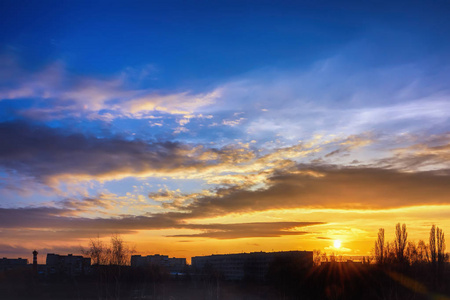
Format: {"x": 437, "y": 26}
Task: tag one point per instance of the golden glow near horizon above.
{"x": 358, "y": 228}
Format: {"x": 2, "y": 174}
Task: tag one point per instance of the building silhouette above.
{"x": 70, "y": 265}
{"x": 237, "y": 266}
{"x": 172, "y": 265}
{"x": 12, "y": 263}
{"x": 253, "y": 265}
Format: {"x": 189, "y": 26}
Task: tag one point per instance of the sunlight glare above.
{"x": 337, "y": 244}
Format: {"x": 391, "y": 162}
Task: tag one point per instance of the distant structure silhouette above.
{"x": 35, "y": 253}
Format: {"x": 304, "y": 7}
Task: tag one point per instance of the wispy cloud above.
{"x": 58, "y": 94}
{"x": 431, "y": 153}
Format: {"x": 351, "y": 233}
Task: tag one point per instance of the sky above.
{"x": 202, "y": 127}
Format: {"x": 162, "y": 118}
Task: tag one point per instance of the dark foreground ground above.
{"x": 330, "y": 281}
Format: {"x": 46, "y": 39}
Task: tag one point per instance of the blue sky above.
{"x": 180, "y": 113}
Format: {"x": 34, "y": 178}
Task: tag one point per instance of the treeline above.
{"x": 404, "y": 252}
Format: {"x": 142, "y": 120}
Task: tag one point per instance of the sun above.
{"x": 337, "y": 244}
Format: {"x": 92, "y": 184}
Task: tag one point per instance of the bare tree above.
{"x": 109, "y": 259}
{"x": 379, "y": 247}
{"x": 116, "y": 253}
{"x": 400, "y": 242}
{"x": 119, "y": 252}
{"x": 97, "y": 251}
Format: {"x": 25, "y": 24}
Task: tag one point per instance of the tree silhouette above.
{"x": 400, "y": 242}
{"x": 433, "y": 244}
{"x": 440, "y": 239}
{"x": 408, "y": 252}
{"x": 109, "y": 260}
{"x": 119, "y": 252}
{"x": 422, "y": 251}
{"x": 317, "y": 257}
{"x": 96, "y": 251}
{"x": 116, "y": 253}
{"x": 411, "y": 253}
{"x": 389, "y": 253}
{"x": 379, "y": 247}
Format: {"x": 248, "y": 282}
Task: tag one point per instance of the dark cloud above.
{"x": 87, "y": 203}
{"x": 60, "y": 218}
{"x": 43, "y": 152}
{"x": 54, "y": 223}
{"x": 33, "y": 217}
{"x": 331, "y": 187}
{"x": 333, "y": 153}
{"x": 43, "y": 235}
{"x": 247, "y": 230}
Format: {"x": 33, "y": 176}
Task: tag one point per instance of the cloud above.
{"x": 248, "y": 230}
{"x": 430, "y": 153}
{"x": 329, "y": 97}
{"x": 306, "y": 186}
{"x": 20, "y": 185}
{"x": 105, "y": 201}
{"x": 329, "y": 187}
{"x": 165, "y": 194}
{"x": 26, "y": 252}
{"x": 58, "y": 94}
{"x": 337, "y": 95}
{"x": 243, "y": 179}
{"x": 177, "y": 104}
{"x": 352, "y": 142}
{"x": 50, "y": 156}
{"x": 56, "y": 223}
{"x": 47, "y": 153}
{"x": 65, "y": 219}
{"x": 233, "y": 123}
